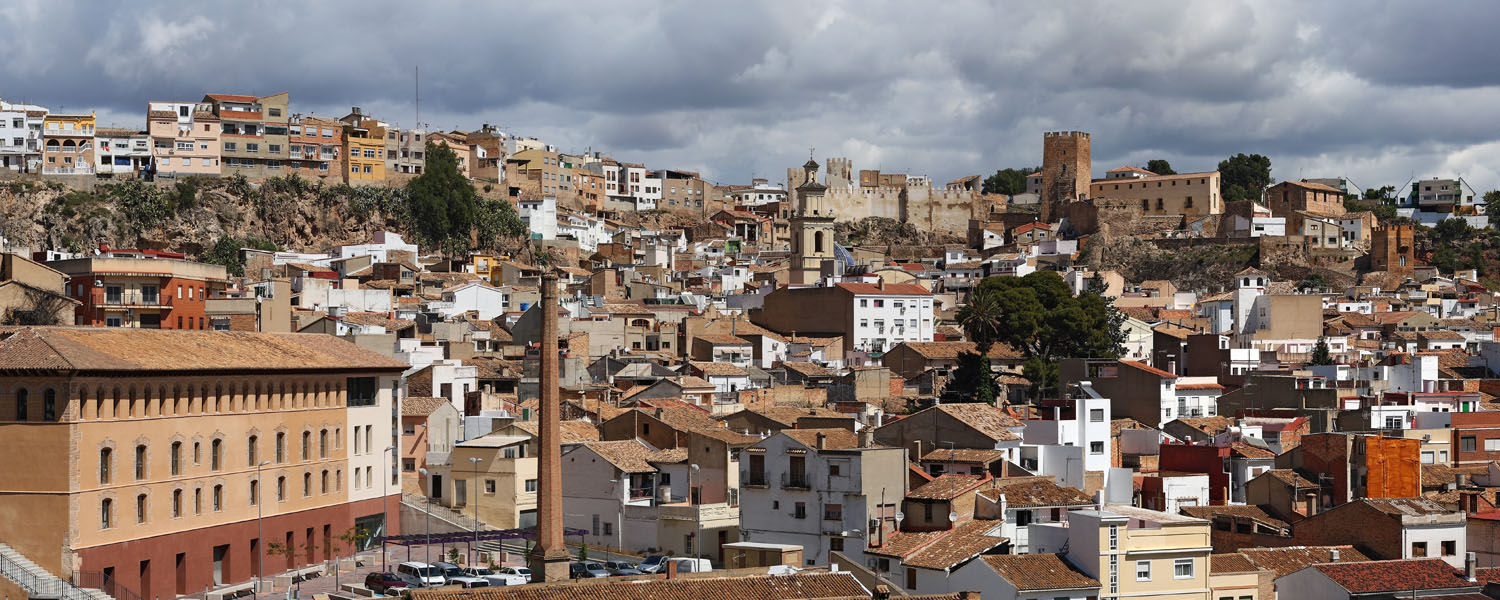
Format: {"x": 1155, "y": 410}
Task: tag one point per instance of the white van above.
{"x": 420, "y": 575}
{"x": 689, "y": 565}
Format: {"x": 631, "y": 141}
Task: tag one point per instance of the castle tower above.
{"x": 1067, "y": 168}
{"x": 1391, "y": 249}
{"x": 549, "y": 558}
{"x": 812, "y": 228}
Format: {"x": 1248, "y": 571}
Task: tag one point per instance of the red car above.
{"x": 385, "y": 584}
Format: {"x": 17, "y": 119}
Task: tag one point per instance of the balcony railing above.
{"x": 754, "y": 479}
{"x": 796, "y": 481}
{"x": 137, "y": 299}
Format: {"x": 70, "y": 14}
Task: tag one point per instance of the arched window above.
{"x": 280, "y": 447}
{"x": 140, "y": 508}
{"x": 281, "y": 489}
{"x": 306, "y": 484}
{"x": 324, "y": 486}
{"x": 53, "y": 146}
{"x": 254, "y": 492}
{"x": 106, "y": 458}
{"x": 23, "y": 397}
{"x": 176, "y": 504}
{"x": 106, "y": 513}
{"x": 216, "y": 455}
{"x": 49, "y": 405}
{"x": 817, "y": 241}
{"x": 338, "y": 480}
{"x": 252, "y": 450}
{"x": 218, "y": 498}
{"x": 140, "y": 462}
{"x": 176, "y": 458}
{"x": 306, "y": 445}
{"x": 323, "y": 444}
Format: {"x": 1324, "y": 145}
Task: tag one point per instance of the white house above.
{"x": 1025, "y": 577}
{"x": 21, "y": 136}
{"x": 1067, "y": 448}
{"x": 489, "y": 302}
{"x": 382, "y": 243}
{"x": 540, "y": 215}
{"x": 885, "y": 315}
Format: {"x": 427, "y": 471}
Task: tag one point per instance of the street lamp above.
{"x": 385, "y": 511}
{"x": 260, "y": 530}
{"x": 428, "y": 505}
{"x": 697, "y": 516}
{"x": 474, "y": 460}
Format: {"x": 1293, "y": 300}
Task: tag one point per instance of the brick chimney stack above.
{"x": 549, "y": 559}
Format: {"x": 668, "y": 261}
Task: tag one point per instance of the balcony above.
{"x": 795, "y": 481}
{"x": 753, "y": 479}
{"x": 67, "y": 170}
{"x": 136, "y": 299}
{"x": 239, "y": 115}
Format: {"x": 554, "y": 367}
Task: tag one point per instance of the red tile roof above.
{"x": 888, "y": 289}
{"x": 1148, "y": 368}
{"x": 1040, "y": 572}
{"x": 1394, "y": 575}
{"x": 801, "y": 586}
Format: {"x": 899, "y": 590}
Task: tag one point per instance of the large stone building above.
{"x": 1067, "y": 167}
{"x": 1391, "y": 249}
{"x": 168, "y": 461}
{"x": 1289, "y": 199}
{"x": 908, "y": 198}
{"x": 1184, "y": 194}
{"x": 812, "y": 229}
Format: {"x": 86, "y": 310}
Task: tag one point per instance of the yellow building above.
{"x": 68, "y": 144}
{"x": 495, "y": 475}
{"x": 1134, "y": 552}
{"x": 159, "y": 458}
{"x": 364, "y": 149}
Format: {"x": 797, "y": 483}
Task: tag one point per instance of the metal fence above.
{"x": 40, "y": 585}
{"x": 102, "y": 581}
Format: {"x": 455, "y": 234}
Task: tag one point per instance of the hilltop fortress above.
{"x": 910, "y": 198}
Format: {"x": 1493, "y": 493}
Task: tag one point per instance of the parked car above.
{"x": 690, "y": 565}
{"x": 385, "y": 584}
{"x": 455, "y": 575}
{"x": 523, "y": 572}
{"x": 586, "y": 569}
{"x": 620, "y": 567}
{"x": 419, "y": 575}
{"x": 495, "y": 577}
{"x": 652, "y": 564}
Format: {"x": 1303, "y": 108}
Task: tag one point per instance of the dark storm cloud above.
{"x": 1375, "y": 91}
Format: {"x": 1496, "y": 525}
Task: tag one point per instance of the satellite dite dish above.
{"x": 952, "y": 517}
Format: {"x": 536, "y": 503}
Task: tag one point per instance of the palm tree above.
{"x": 980, "y": 318}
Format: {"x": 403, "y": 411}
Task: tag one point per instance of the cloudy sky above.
{"x": 1375, "y": 91}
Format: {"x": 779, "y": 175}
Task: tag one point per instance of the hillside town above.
{"x": 666, "y": 387}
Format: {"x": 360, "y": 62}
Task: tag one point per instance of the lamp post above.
{"x": 260, "y": 530}
{"x": 385, "y": 511}
{"x": 474, "y": 460}
{"x": 427, "y": 505}
{"x": 697, "y": 516}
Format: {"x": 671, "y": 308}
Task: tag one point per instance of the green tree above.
{"x": 1045, "y": 322}
{"x": 495, "y": 220}
{"x": 1008, "y": 181}
{"x": 1380, "y": 194}
{"x": 226, "y": 253}
{"x": 1320, "y": 354}
{"x": 1244, "y": 177}
{"x": 1492, "y": 206}
{"x": 1160, "y": 166}
{"x": 980, "y": 320}
{"x": 444, "y": 205}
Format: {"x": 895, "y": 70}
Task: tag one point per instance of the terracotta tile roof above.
{"x": 718, "y": 369}
{"x": 1290, "y": 559}
{"x": 800, "y": 586}
{"x": 956, "y": 546}
{"x": 945, "y": 487}
{"x": 1400, "y": 507}
{"x": 989, "y": 420}
{"x": 121, "y": 349}
{"x": 1441, "y": 475}
{"x": 1118, "y": 425}
{"x": 377, "y": 320}
{"x": 931, "y": 350}
{"x": 1240, "y": 511}
{"x": 807, "y": 369}
{"x": 722, "y": 340}
{"x": 1147, "y": 368}
{"x": 1290, "y": 477}
{"x": 1040, "y": 572}
{"x": 630, "y": 456}
{"x": 833, "y": 439}
{"x": 574, "y": 431}
{"x": 1230, "y": 563}
{"x": 420, "y": 406}
{"x": 887, "y": 289}
{"x": 964, "y": 455}
{"x": 1394, "y": 575}
{"x": 1208, "y": 425}
{"x": 788, "y": 415}
{"x": 1441, "y": 335}
{"x": 1247, "y": 451}
{"x": 1313, "y": 186}
{"x": 1035, "y": 492}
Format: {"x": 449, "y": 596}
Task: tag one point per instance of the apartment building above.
{"x": 871, "y": 317}
{"x": 686, "y": 192}
{"x": 821, "y": 489}
{"x": 1184, "y": 194}
{"x": 411, "y": 152}
{"x": 68, "y": 144}
{"x": 156, "y": 459}
{"x": 253, "y": 133}
{"x": 493, "y": 476}
{"x": 1292, "y": 199}
{"x": 185, "y": 139}
{"x": 141, "y": 289}
{"x": 21, "y": 136}
{"x": 121, "y": 152}
{"x": 364, "y": 149}
{"x": 490, "y": 142}
{"x": 536, "y": 169}
{"x": 315, "y": 146}
{"x": 1133, "y": 552}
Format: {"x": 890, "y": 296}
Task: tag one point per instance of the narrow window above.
{"x": 105, "y": 458}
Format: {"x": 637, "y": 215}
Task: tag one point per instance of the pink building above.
{"x": 184, "y": 138}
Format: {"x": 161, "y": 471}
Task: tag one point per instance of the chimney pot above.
{"x": 820, "y": 440}
{"x": 1471, "y": 565}
{"x": 1333, "y": 555}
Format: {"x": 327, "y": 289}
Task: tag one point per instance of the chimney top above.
{"x": 1471, "y": 565}
{"x": 820, "y": 440}
{"x": 1333, "y": 555}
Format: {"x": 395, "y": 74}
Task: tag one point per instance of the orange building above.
{"x": 141, "y": 288}
{"x": 167, "y": 461}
